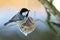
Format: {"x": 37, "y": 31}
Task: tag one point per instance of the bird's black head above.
{"x": 23, "y": 10}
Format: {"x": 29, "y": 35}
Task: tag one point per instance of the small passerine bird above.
{"x": 23, "y": 14}
{"x": 26, "y": 24}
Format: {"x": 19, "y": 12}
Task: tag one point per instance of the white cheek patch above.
{"x": 24, "y": 14}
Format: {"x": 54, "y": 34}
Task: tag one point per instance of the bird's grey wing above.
{"x": 17, "y": 17}
{"x": 13, "y": 19}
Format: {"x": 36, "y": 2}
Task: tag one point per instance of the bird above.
{"x": 25, "y": 23}
{"x": 20, "y": 16}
